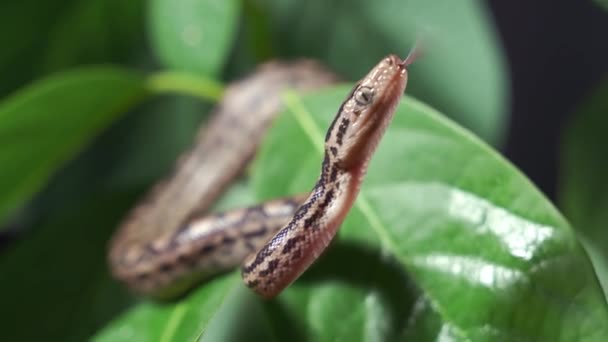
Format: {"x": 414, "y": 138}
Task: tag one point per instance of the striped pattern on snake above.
{"x": 165, "y": 245}
{"x": 349, "y": 144}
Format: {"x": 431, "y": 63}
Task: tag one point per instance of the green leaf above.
{"x": 584, "y": 191}
{"x": 462, "y": 72}
{"x": 193, "y": 35}
{"x": 174, "y": 322}
{"x": 46, "y": 123}
{"x": 494, "y": 258}
{"x": 208, "y": 314}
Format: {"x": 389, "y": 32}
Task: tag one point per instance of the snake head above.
{"x": 363, "y": 117}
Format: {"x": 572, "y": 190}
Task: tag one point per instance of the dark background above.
{"x": 555, "y": 58}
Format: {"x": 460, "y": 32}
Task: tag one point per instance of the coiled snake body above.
{"x": 167, "y": 243}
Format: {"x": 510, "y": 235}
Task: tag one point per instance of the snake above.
{"x": 168, "y": 243}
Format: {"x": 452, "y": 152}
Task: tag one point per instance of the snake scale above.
{"x": 168, "y": 243}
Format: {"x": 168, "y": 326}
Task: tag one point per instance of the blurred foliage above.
{"x": 45, "y": 36}
{"x": 449, "y": 241}
{"x": 584, "y": 194}
{"x": 31, "y": 154}
{"x": 602, "y": 3}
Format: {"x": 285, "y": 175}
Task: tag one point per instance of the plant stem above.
{"x": 185, "y": 83}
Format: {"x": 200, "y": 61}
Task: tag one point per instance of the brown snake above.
{"x": 167, "y": 244}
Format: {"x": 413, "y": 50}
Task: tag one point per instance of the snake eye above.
{"x": 364, "y": 95}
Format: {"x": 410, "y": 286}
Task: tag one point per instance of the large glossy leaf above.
{"x": 193, "y": 35}
{"x": 462, "y": 71}
{"x": 47, "y": 123}
{"x": 584, "y": 191}
{"x": 447, "y": 241}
